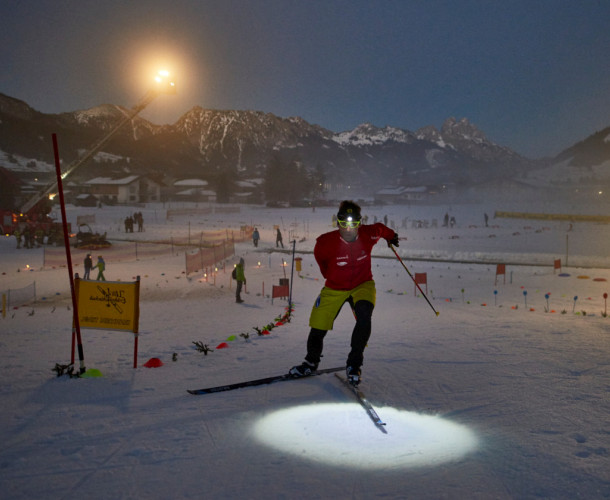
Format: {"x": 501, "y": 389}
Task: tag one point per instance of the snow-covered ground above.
{"x": 506, "y": 394}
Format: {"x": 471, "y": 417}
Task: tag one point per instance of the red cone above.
{"x": 153, "y": 363}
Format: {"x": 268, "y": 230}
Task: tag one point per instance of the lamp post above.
{"x": 163, "y": 85}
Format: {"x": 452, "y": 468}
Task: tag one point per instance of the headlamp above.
{"x": 348, "y": 221}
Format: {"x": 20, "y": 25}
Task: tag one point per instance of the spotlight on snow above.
{"x": 343, "y": 435}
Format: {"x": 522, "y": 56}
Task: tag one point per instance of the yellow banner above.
{"x": 109, "y": 305}
{"x": 567, "y": 217}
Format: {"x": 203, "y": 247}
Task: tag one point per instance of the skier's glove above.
{"x": 394, "y": 240}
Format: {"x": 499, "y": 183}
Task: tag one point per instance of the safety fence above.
{"x": 123, "y": 251}
{"x": 214, "y": 209}
{"x": 85, "y": 219}
{"x": 205, "y": 238}
{"x": 14, "y": 297}
{"x": 118, "y": 252}
{"x": 208, "y": 257}
{"x": 222, "y": 248}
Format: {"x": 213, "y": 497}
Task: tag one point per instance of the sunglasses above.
{"x": 348, "y": 223}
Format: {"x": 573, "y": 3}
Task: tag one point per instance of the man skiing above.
{"x": 344, "y": 258}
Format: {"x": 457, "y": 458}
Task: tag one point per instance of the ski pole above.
{"x": 411, "y": 276}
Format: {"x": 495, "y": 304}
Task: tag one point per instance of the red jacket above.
{"x": 347, "y": 265}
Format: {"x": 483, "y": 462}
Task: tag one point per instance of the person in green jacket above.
{"x": 240, "y": 277}
{"x": 101, "y": 266}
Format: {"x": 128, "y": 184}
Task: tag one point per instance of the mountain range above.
{"x": 203, "y": 143}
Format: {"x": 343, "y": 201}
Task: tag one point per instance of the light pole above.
{"x": 163, "y": 85}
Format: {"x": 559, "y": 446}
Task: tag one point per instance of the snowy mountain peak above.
{"x": 101, "y": 112}
{"x": 368, "y": 134}
{"x": 246, "y": 123}
{"x": 204, "y": 141}
{"x": 428, "y": 133}
{"x": 462, "y": 130}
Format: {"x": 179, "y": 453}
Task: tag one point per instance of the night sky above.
{"x": 533, "y": 75}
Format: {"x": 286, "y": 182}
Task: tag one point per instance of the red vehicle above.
{"x": 8, "y": 221}
{"x": 37, "y": 223}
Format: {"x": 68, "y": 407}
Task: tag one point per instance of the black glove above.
{"x": 394, "y": 240}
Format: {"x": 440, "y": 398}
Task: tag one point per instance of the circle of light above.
{"x": 343, "y": 435}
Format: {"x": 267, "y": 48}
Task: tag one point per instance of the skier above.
{"x": 101, "y": 266}
{"x": 88, "y": 266}
{"x": 240, "y": 277}
{"x": 278, "y": 238}
{"x": 344, "y": 257}
{"x": 255, "y": 237}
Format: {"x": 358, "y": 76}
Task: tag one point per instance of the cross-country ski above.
{"x": 380, "y": 424}
{"x": 260, "y": 381}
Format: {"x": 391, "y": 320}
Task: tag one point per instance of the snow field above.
{"x": 530, "y": 386}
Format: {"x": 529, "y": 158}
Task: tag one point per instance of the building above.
{"x": 192, "y": 190}
{"x": 402, "y": 194}
{"x": 126, "y": 190}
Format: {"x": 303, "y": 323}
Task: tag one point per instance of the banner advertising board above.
{"x": 605, "y": 219}
{"x": 108, "y": 305}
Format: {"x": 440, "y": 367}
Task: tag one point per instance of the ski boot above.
{"x": 353, "y": 375}
{"x": 303, "y": 370}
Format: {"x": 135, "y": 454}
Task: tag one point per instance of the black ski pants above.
{"x": 363, "y": 310}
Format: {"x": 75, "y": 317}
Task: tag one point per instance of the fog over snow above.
{"x": 506, "y": 394}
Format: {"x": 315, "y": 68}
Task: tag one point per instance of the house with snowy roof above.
{"x": 124, "y": 190}
{"x": 402, "y": 194}
{"x": 192, "y": 190}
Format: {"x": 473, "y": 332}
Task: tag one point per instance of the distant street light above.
{"x": 163, "y": 85}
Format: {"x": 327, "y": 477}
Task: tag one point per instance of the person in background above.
{"x": 255, "y": 237}
{"x": 344, "y": 257}
{"x": 278, "y": 238}
{"x": 101, "y": 267}
{"x": 88, "y": 266}
{"x": 27, "y": 237}
{"x": 139, "y": 218}
{"x": 17, "y": 234}
{"x": 240, "y": 277}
